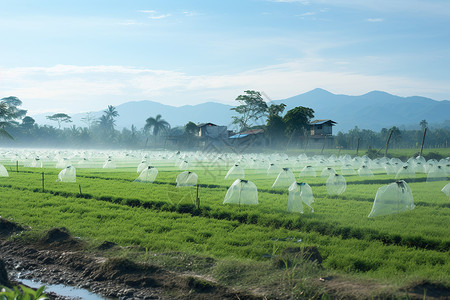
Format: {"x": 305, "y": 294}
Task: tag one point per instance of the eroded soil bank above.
{"x": 59, "y": 258}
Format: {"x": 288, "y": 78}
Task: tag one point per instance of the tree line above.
{"x": 281, "y": 131}
{"x": 400, "y": 138}
{"x": 17, "y": 129}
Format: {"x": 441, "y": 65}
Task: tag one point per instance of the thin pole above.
{"x": 289, "y": 141}
{"x": 323, "y": 146}
{"x": 17, "y": 166}
{"x": 357, "y": 147}
{"x": 387, "y": 142}
{"x": 43, "y": 186}
{"x": 197, "y": 199}
{"x": 423, "y": 140}
{"x": 79, "y": 187}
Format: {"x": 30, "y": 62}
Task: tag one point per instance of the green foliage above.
{"x": 107, "y": 122}
{"x": 435, "y": 138}
{"x": 423, "y": 124}
{"x": 275, "y": 129}
{"x": 22, "y": 293}
{"x": 161, "y": 217}
{"x": 297, "y": 120}
{"x": 157, "y": 124}
{"x": 28, "y": 122}
{"x": 60, "y": 118}
{"x": 276, "y": 109}
{"x": 191, "y": 128}
{"x": 9, "y": 112}
{"x": 252, "y": 107}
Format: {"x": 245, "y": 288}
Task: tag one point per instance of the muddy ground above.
{"x": 59, "y": 258}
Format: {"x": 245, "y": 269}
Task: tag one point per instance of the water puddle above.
{"x": 64, "y": 290}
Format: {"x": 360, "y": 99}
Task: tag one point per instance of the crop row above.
{"x": 335, "y": 216}
{"x": 171, "y": 231}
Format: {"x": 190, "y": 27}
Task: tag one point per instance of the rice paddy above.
{"x": 106, "y": 203}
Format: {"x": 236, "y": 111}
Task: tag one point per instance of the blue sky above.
{"x": 79, "y": 56}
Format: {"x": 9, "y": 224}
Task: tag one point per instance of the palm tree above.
{"x": 423, "y": 124}
{"x": 106, "y": 123}
{"x": 157, "y": 124}
{"x": 9, "y": 112}
{"x": 111, "y": 112}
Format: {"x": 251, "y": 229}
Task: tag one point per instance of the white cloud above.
{"x": 153, "y": 14}
{"x": 159, "y": 16}
{"x": 130, "y": 23}
{"x": 309, "y": 13}
{"x": 88, "y": 88}
{"x": 190, "y": 13}
{"x": 375, "y": 20}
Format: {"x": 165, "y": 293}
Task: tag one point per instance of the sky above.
{"x": 81, "y": 56}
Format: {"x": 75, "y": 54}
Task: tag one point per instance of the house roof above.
{"x": 247, "y": 133}
{"x": 320, "y": 122}
{"x": 238, "y": 136}
{"x": 205, "y": 124}
{"x": 252, "y": 131}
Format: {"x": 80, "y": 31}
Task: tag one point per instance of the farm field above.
{"x": 108, "y": 205}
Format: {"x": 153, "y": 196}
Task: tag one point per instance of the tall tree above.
{"x": 251, "y": 108}
{"x": 191, "y": 128}
{"x": 276, "y": 109}
{"x": 423, "y": 124}
{"x": 28, "y": 122}
{"x": 275, "y": 128}
{"x": 105, "y": 124}
{"x": 297, "y": 120}
{"x": 396, "y": 135}
{"x": 60, "y": 118}
{"x": 111, "y": 112}
{"x": 9, "y": 112}
{"x": 157, "y": 125}
{"x": 89, "y": 119}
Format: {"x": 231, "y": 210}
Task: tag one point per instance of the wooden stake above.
{"x": 423, "y": 140}
{"x": 79, "y": 187}
{"x": 197, "y": 200}
{"x": 17, "y": 166}
{"x": 43, "y": 186}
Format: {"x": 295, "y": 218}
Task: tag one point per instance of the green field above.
{"x": 106, "y": 204}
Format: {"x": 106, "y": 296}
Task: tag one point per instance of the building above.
{"x": 248, "y": 138}
{"x": 321, "y": 134}
{"x": 210, "y": 130}
{"x": 321, "y": 128}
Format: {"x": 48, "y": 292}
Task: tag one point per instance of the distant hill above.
{"x": 374, "y": 110}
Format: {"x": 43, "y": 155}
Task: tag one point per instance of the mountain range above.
{"x": 374, "y": 110}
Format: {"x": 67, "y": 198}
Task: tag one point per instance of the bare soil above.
{"x": 59, "y": 258}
